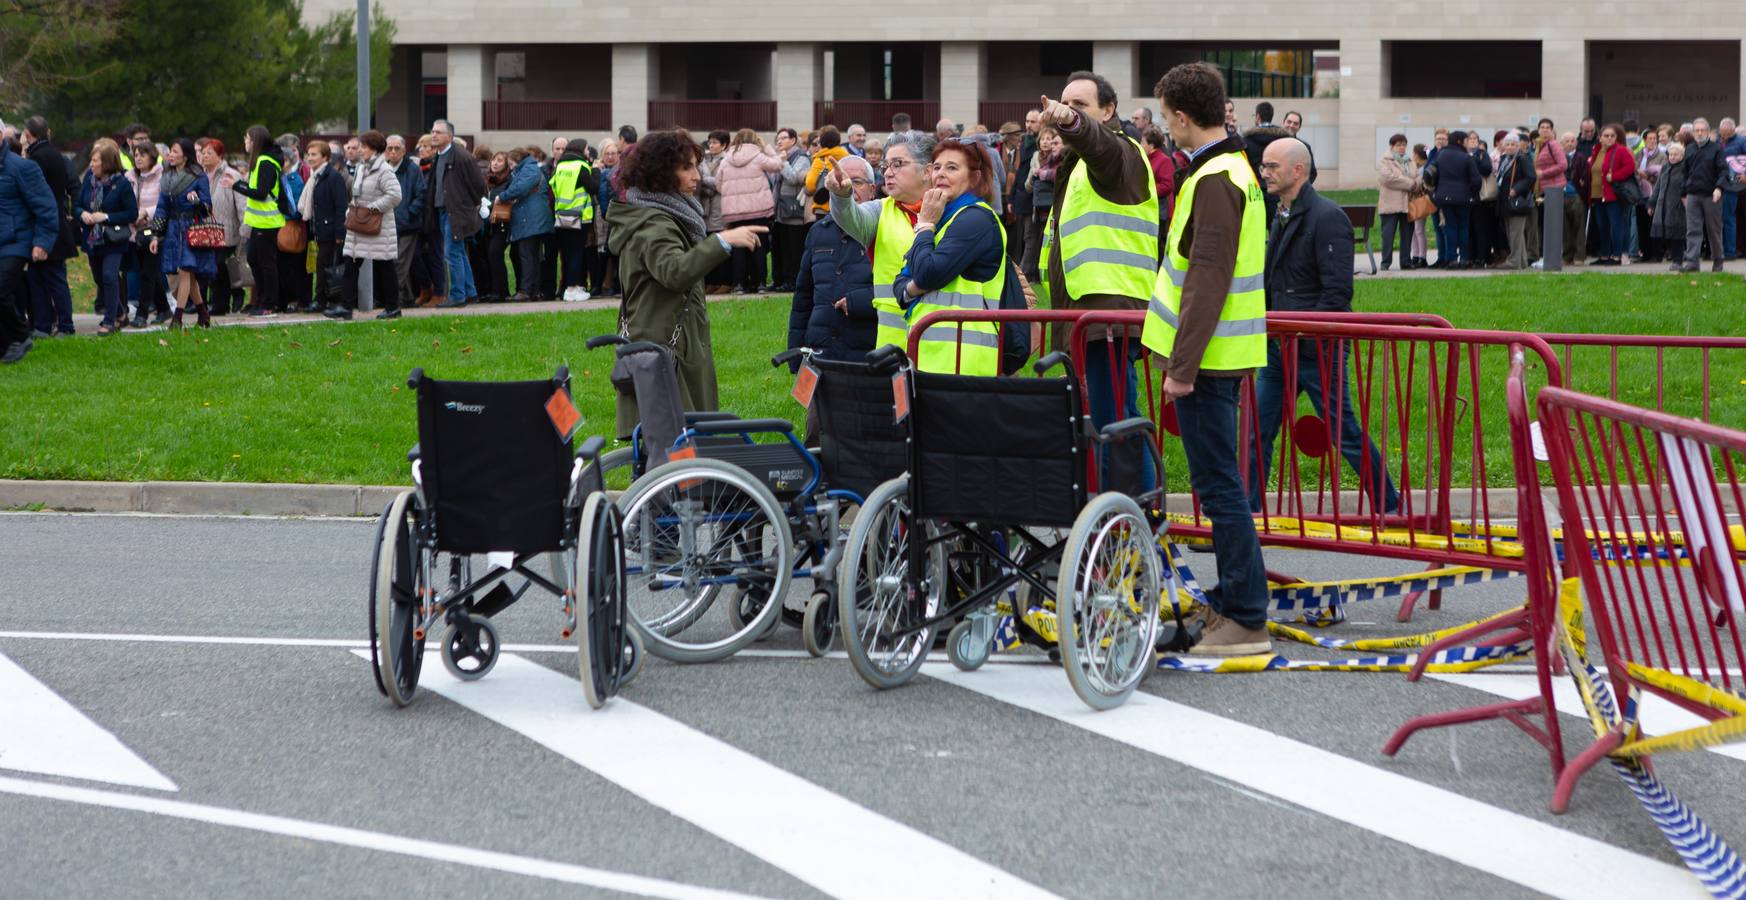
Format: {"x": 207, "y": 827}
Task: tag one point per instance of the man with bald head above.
{"x": 1309, "y": 268}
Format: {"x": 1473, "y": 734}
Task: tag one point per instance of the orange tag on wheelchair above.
{"x": 900, "y": 395}
{"x": 686, "y": 451}
{"x": 563, "y": 413}
{"x": 805, "y": 382}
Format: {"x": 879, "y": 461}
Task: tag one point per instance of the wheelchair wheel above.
{"x": 1107, "y": 600}
{"x": 605, "y": 658}
{"x": 470, "y": 648}
{"x": 695, "y": 529}
{"x": 818, "y": 630}
{"x": 887, "y": 597}
{"x": 964, "y": 649}
{"x": 394, "y": 600}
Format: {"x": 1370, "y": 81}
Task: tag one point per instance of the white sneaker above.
{"x": 582, "y": 294}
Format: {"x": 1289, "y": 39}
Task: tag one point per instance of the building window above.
{"x": 1265, "y": 73}
{"x": 1059, "y": 59}
{"x": 1464, "y": 69}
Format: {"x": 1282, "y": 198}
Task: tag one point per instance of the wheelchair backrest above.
{"x": 494, "y": 470}
{"x": 998, "y": 451}
{"x": 860, "y": 446}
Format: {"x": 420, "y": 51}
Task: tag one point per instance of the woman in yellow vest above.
{"x": 262, "y": 215}
{"x": 957, "y": 261}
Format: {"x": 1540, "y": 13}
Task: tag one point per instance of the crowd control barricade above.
{"x": 1670, "y": 373}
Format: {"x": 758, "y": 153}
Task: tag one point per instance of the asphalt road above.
{"x": 221, "y": 654}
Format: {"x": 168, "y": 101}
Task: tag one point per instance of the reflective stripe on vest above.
{"x": 263, "y": 215}
{"x": 966, "y": 348}
{"x": 1239, "y": 340}
{"x": 892, "y": 238}
{"x": 1107, "y": 248}
{"x": 569, "y": 197}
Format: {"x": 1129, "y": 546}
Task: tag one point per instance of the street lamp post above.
{"x": 366, "y": 273}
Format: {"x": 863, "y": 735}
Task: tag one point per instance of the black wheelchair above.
{"x": 997, "y": 470}
{"x": 495, "y": 476}
{"x": 717, "y": 533}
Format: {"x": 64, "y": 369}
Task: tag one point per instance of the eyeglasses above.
{"x": 892, "y": 165}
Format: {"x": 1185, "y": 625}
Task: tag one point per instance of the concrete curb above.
{"x": 201, "y": 498}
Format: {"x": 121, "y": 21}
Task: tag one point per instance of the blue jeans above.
{"x": 1610, "y": 216}
{"x": 1100, "y": 394}
{"x": 1455, "y": 240}
{"x": 1209, "y": 439}
{"x": 1445, "y": 253}
{"x": 51, "y": 302}
{"x": 1730, "y": 225}
{"x": 455, "y": 253}
{"x": 106, "y": 271}
{"x": 1355, "y": 445}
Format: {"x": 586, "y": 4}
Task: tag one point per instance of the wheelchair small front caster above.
{"x": 819, "y": 628}
{"x": 469, "y": 648}
{"x": 969, "y": 644}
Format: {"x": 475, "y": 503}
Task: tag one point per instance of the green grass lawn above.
{"x": 326, "y": 402}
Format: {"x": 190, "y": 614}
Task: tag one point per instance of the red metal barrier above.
{"x": 548, "y": 115}
{"x": 1622, "y": 350}
{"x": 1647, "y": 502}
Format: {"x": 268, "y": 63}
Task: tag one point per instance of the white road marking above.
{"x": 43, "y": 733}
{"x": 1657, "y": 715}
{"x": 1509, "y": 845}
{"x": 367, "y": 840}
{"x": 828, "y": 841}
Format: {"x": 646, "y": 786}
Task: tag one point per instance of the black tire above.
{"x": 869, "y": 616}
{"x": 818, "y": 629}
{"x": 394, "y": 593}
{"x": 1106, "y": 601}
{"x": 469, "y": 648}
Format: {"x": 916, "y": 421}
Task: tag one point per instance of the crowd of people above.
{"x": 1604, "y": 195}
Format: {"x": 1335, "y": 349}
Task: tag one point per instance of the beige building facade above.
{"x": 523, "y": 71}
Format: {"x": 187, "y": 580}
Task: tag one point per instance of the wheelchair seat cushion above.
{"x": 494, "y": 471}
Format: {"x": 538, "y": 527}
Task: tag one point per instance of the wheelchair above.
{"x": 495, "y": 476}
{"x": 728, "y": 522}
{"x": 998, "y": 467}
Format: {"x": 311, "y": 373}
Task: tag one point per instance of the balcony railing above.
{"x": 709, "y": 115}
{"x": 995, "y": 112}
{"x": 875, "y": 114}
{"x": 548, "y": 115}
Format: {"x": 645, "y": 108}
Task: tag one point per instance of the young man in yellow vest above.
{"x": 1100, "y": 250}
{"x": 1208, "y": 319}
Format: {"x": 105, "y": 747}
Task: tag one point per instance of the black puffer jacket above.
{"x": 1309, "y": 256}
{"x": 832, "y": 268}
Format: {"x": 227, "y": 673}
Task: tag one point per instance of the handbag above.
{"x": 207, "y": 235}
{"x": 500, "y": 211}
{"x": 237, "y": 268}
{"x": 363, "y": 220}
{"x": 293, "y": 237}
{"x": 114, "y": 234}
{"x": 1419, "y": 206}
{"x": 1628, "y": 191}
{"x": 1520, "y": 204}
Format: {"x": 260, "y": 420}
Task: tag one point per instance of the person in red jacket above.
{"x": 1164, "y": 173}
{"x": 1612, "y": 164}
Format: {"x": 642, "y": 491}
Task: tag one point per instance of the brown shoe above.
{"x": 1224, "y": 637}
{"x": 427, "y": 299}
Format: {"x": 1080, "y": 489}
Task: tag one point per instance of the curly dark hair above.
{"x": 653, "y": 164}
{"x": 1196, "y": 90}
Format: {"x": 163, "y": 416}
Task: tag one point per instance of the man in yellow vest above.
{"x": 1100, "y": 251}
{"x": 574, "y": 185}
{"x": 886, "y": 227}
{"x": 1208, "y": 320}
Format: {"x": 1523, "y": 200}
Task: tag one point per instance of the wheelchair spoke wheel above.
{"x": 695, "y": 531}
{"x": 469, "y": 648}
{"x": 1107, "y": 601}
{"x": 394, "y": 600}
{"x": 887, "y": 598}
{"x": 603, "y": 662}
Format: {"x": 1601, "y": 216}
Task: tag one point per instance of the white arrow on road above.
{"x": 41, "y": 732}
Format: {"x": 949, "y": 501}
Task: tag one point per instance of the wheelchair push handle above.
{"x": 413, "y": 380}
{"x": 601, "y": 340}
{"x": 886, "y": 355}
{"x": 1049, "y": 362}
{"x": 790, "y": 355}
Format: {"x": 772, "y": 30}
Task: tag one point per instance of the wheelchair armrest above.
{"x": 1050, "y": 362}
{"x": 741, "y": 426}
{"x": 1118, "y": 430}
{"x": 414, "y": 454}
{"x": 602, "y": 340}
{"x": 788, "y": 356}
{"x": 591, "y": 448}
{"x": 636, "y": 347}
{"x": 708, "y": 416}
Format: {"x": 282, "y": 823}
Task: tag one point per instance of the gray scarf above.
{"x": 680, "y": 206}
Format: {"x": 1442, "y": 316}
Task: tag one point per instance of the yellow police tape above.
{"x": 1285, "y": 526}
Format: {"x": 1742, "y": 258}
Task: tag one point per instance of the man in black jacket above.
{"x": 1309, "y": 268}
{"x": 454, "y": 190}
{"x": 51, "y": 302}
{"x": 1704, "y": 176}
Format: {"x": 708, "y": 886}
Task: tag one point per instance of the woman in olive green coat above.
{"x": 658, "y": 233}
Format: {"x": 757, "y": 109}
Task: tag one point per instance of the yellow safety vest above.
{"x": 1240, "y": 339}
{"x": 571, "y": 198}
{"x": 892, "y": 238}
{"x": 977, "y": 350}
{"x": 1106, "y": 248}
{"x": 263, "y": 215}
